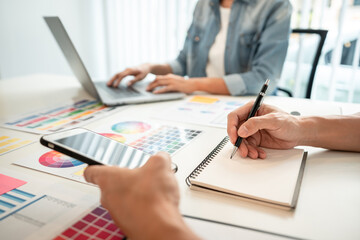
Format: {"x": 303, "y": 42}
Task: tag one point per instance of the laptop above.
{"x": 99, "y": 90}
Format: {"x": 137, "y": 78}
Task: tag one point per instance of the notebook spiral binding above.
{"x": 206, "y": 161}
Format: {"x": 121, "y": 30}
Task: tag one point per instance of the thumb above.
{"x": 255, "y": 124}
{"x": 92, "y": 173}
{"x": 159, "y": 161}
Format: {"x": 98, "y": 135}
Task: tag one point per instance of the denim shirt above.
{"x": 256, "y": 44}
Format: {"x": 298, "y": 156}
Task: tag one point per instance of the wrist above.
{"x": 149, "y": 67}
{"x": 193, "y": 84}
{"x": 309, "y": 131}
{"x": 159, "y": 69}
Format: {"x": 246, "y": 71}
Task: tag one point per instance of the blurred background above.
{"x": 113, "y": 34}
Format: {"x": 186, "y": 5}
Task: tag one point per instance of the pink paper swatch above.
{"x": 9, "y": 183}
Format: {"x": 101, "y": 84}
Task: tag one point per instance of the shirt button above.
{"x": 197, "y": 38}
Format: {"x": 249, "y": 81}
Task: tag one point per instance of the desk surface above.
{"x": 329, "y": 200}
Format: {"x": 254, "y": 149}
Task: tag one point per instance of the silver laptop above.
{"x": 108, "y": 96}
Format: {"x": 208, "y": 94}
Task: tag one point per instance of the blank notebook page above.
{"x": 272, "y": 179}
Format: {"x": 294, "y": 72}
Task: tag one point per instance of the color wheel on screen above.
{"x": 55, "y": 159}
{"x": 131, "y": 127}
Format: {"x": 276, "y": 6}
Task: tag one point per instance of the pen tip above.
{"x": 233, "y": 152}
{"x": 267, "y": 81}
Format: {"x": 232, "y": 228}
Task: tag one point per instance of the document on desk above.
{"x": 273, "y": 181}
{"x": 60, "y": 117}
{"x": 52, "y": 162}
{"x": 39, "y": 208}
{"x": 203, "y": 110}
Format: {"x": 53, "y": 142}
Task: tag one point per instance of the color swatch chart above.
{"x": 165, "y": 138}
{"x": 95, "y": 225}
{"x": 9, "y": 143}
{"x": 149, "y": 137}
{"x": 60, "y": 117}
{"x": 201, "y": 110}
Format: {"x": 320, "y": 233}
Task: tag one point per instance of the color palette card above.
{"x": 60, "y": 117}
{"x": 203, "y": 110}
{"x": 11, "y": 140}
{"x": 149, "y": 137}
{"x": 96, "y": 224}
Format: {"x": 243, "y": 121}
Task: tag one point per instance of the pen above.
{"x": 252, "y": 113}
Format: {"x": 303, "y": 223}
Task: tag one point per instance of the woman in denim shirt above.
{"x": 231, "y": 48}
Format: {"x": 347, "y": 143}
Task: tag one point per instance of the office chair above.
{"x": 322, "y": 36}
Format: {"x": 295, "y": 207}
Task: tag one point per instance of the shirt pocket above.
{"x": 247, "y": 47}
{"x": 194, "y": 38}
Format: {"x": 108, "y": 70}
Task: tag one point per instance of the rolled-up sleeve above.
{"x": 235, "y": 84}
{"x": 177, "y": 66}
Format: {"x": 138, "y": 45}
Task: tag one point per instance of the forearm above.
{"x": 160, "y": 69}
{"x": 333, "y": 132}
{"x": 210, "y": 85}
{"x": 163, "y": 222}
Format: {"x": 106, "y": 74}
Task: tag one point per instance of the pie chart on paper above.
{"x": 115, "y": 137}
{"x": 55, "y": 159}
{"x": 130, "y": 127}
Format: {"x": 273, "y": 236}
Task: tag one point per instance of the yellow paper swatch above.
{"x": 203, "y": 99}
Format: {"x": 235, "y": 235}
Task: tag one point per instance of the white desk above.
{"x": 329, "y": 201}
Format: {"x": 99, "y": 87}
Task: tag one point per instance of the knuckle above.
{"x": 231, "y": 115}
{"x": 272, "y": 115}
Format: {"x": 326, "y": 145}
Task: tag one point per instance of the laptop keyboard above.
{"x": 120, "y": 91}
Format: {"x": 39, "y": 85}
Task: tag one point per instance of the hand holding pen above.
{"x": 252, "y": 113}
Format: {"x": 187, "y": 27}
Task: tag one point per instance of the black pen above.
{"x": 252, "y": 113}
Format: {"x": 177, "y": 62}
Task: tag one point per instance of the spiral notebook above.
{"x": 272, "y": 181}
